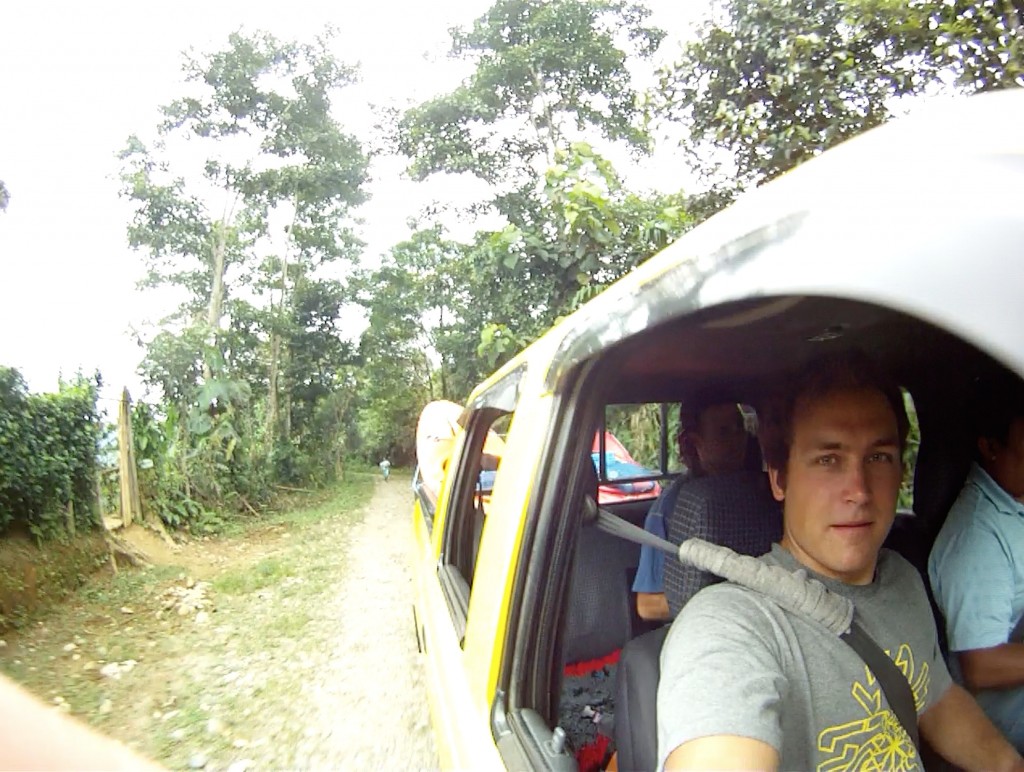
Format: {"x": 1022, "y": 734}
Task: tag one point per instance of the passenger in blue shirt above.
{"x": 712, "y": 440}
{"x": 976, "y": 566}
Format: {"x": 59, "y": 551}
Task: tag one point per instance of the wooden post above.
{"x": 131, "y": 498}
{"x": 99, "y": 498}
{"x": 70, "y": 518}
{"x": 131, "y": 501}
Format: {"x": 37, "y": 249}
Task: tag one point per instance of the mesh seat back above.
{"x": 734, "y": 510}
{"x": 600, "y": 618}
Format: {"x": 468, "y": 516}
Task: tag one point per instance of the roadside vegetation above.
{"x": 260, "y": 386}
{"x": 256, "y": 386}
{"x": 254, "y": 381}
{"x": 189, "y": 659}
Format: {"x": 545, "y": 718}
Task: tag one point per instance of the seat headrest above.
{"x": 943, "y": 460}
{"x": 734, "y": 510}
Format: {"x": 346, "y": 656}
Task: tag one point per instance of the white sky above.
{"x": 77, "y": 79}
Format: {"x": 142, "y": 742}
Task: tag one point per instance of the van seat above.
{"x": 735, "y": 510}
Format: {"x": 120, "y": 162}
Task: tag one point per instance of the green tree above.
{"x": 244, "y": 237}
{"x": 770, "y": 83}
{"x": 546, "y": 74}
{"x": 420, "y": 296}
{"x": 980, "y": 43}
{"x": 318, "y": 409}
{"x": 395, "y": 379}
{"x": 585, "y": 231}
{"x": 774, "y": 82}
{"x": 545, "y": 71}
{"x": 450, "y": 312}
{"x": 274, "y": 152}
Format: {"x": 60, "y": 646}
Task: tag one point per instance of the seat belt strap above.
{"x": 891, "y": 680}
{"x": 616, "y": 526}
{"x": 894, "y": 684}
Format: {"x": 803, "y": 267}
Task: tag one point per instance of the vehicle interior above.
{"x": 587, "y": 613}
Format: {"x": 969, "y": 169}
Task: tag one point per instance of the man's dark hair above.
{"x": 995, "y": 403}
{"x": 690, "y": 412}
{"x": 818, "y": 378}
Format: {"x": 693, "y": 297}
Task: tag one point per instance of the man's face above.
{"x": 841, "y": 483}
{"x": 720, "y": 440}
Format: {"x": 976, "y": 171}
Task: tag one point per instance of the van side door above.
{"x": 447, "y": 546}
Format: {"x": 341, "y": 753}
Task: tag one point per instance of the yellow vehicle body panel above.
{"x": 499, "y": 550}
{"x": 462, "y": 681}
{"x": 461, "y": 732}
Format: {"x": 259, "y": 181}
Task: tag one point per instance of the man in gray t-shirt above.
{"x": 835, "y": 714}
{"x": 745, "y": 684}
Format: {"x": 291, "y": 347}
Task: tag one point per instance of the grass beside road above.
{"x": 202, "y": 683}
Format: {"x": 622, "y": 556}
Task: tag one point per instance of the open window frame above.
{"x": 465, "y": 518}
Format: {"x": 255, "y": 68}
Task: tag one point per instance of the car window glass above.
{"x": 642, "y": 441}
{"x": 634, "y": 448}
{"x": 906, "y": 499}
{"x": 477, "y": 474}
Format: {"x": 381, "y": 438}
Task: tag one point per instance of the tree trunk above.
{"x": 70, "y": 518}
{"x": 286, "y": 412}
{"x": 1012, "y": 17}
{"x": 339, "y": 453}
{"x": 216, "y": 306}
{"x": 131, "y": 502}
{"x": 341, "y": 403}
{"x": 183, "y": 458}
{"x": 429, "y": 380}
{"x": 552, "y": 139}
{"x": 275, "y": 350}
{"x": 131, "y": 498}
{"x": 275, "y": 339}
{"x": 119, "y": 548}
{"x": 444, "y": 378}
{"x": 97, "y": 483}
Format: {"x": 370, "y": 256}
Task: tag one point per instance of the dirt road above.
{"x": 292, "y": 647}
{"x": 365, "y": 694}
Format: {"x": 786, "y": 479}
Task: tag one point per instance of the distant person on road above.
{"x": 385, "y": 468}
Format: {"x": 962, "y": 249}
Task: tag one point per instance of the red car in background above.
{"x": 620, "y": 465}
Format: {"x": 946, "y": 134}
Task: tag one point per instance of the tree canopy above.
{"x": 770, "y": 83}
{"x": 545, "y": 71}
{"x": 257, "y": 378}
{"x": 252, "y": 361}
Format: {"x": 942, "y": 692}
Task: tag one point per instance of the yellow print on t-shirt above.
{"x": 877, "y": 741}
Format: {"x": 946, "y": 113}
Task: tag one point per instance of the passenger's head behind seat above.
{"x": 734, "y": 510}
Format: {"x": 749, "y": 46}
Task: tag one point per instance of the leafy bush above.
{"x": 48, "y": 448}
{"x": 199, "y": 463}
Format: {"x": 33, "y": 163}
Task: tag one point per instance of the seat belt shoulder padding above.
{"x": 792, "y": 591}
